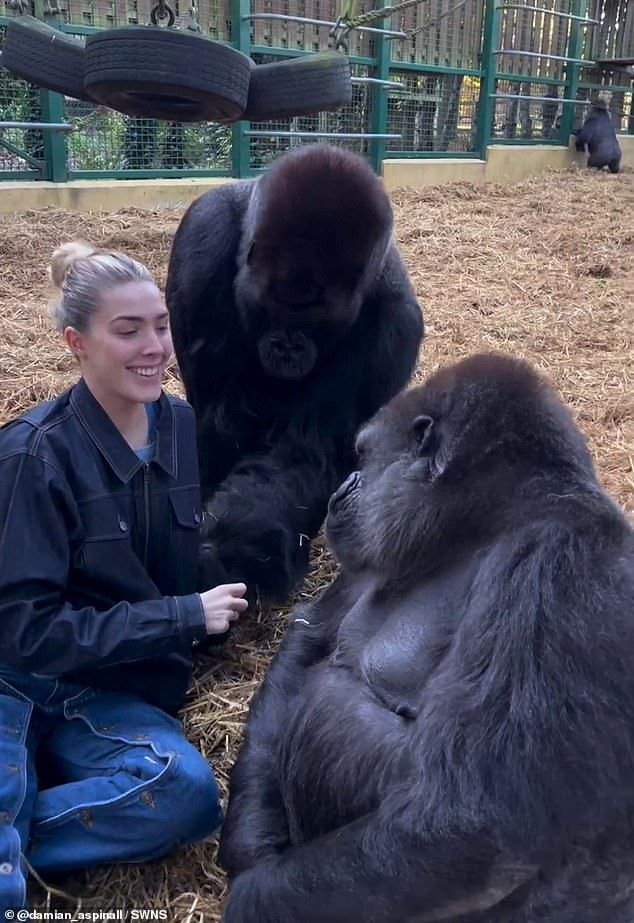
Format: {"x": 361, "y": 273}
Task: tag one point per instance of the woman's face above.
{"x": 127, "y": 346}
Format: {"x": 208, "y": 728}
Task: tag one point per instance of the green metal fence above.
{"x": 465, "y": 73}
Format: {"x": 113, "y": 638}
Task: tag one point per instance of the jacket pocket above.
{"x": 186, "y": 509}
{"x": 103, "y": 522}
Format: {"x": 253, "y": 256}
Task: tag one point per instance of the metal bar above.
{"x": 42, "y": 126}
{"x": 574, "y": 49}
{"x": 52, "y": 109}
{"x": 379, "y": 98}
{"x": 540, "y": 99}
{"x": 301, "y": 53}
{"x": 541, "y": 9}
{"x": 491, "y": 33}
{"x": 388, "y": 84}
{"x": 539, "y": 54}
{"x": 241, "y": 39}
{"x": 343, "y": 135}
{"x": 321, "y": 22}
{"x": 524, "y": 78}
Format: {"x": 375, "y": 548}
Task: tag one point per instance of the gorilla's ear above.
{"x": 424, "y": 435}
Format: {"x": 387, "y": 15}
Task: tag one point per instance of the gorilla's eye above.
{"x": 423, "y": 430}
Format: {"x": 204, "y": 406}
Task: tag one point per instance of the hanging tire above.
{"x": 160, "y": 73}
{"x": 302, "y": 86}
{"x": 44, "y": 56}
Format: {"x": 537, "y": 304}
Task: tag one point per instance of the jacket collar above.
{"x": 122, "y": 459}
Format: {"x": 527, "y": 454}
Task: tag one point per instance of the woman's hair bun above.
{"x": 65, "y": 257}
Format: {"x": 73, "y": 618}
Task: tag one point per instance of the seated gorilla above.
{"x": 599, "y": 136}
{"x": 293, "y": 321}
{"x": 447, "y": 732}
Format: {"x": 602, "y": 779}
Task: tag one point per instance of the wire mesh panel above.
{"x": 21, "y": 150}
{"x": 104, "y": 140}
{"x": 526, "y": 119}
{"x": 436, "y": 112}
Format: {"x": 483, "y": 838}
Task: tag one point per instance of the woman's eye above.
{"x": 127, "y": 333}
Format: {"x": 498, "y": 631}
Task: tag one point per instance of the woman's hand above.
{"x": 223, "y": 605}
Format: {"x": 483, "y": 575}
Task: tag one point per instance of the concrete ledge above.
{"x": 104, "y": 195}
{"x": 627, "y": 146}
{"x": 418, "y": 173}
{"x": 510, "y": 163}
{"x": 505, "y": 163}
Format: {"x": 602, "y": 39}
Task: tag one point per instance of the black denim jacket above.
{"x": 99, "y": 551}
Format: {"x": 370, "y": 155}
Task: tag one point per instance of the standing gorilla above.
{"x": 598, "y": 134}
{"x": 293, "y": 321}
{"x": 447, "y": 733}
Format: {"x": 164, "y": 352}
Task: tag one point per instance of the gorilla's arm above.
{"x": 585, "y": 134}
{"x": 199, "y": 291}
{"x": 255, "y": 824}
{"x": 261, "y": 518}
{"x": 501, "y": 769}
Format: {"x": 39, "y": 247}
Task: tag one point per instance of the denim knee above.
{"x": 194, "y": 810}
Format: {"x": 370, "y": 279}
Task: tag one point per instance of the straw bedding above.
{"x": 543, "y": 269}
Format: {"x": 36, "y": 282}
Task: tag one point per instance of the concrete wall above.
{"x": 504, "y": 164}
{"x": 104, "y": 195}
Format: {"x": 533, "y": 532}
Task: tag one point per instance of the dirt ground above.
{"x": 542, "y": 270}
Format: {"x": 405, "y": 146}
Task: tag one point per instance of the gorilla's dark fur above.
{"x": 447, "y": 733}
{"x": 293, "y": 321}
{"x": 599, "y": 136}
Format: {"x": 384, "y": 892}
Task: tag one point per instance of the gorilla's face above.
{"x": 442, "y": 464}
{"x": 379, "y": 514}
{"x": 294, "y": 310}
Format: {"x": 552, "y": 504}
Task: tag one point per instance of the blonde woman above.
{"x": 99, "y": 609}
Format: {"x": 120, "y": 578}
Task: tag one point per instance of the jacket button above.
{"x": 123, "y": 525}
{"x": 5, "y": 868}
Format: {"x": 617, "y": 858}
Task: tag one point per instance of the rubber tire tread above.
{"x": 301, "y": 86}
{"x": 46, "y": 57}
{"x": 123, "y": 65}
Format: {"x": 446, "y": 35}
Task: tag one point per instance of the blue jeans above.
{"x": 90, "y": 777}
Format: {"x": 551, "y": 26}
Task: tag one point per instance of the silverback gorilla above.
{"x": 598, "y": 135}
{"x": 293, "y": 321}
{"x": 447, "y": 733}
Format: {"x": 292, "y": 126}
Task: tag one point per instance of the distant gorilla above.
{"x": 293, "y": 321}
{"x": 447, "y": 732}
{"x": 598, "y": 134}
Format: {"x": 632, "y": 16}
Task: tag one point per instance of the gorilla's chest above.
{"x": 393, "y": 653}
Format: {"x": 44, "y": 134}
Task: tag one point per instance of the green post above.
{"x": 488, "y": 78}
{"x": 241, "y": 39}
{"x": 55, "y": 167}
{"x": 379, "y": 95}
{"x": 577, "y": 8}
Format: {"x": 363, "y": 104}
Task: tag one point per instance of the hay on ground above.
{"x": 543, "y": 270}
